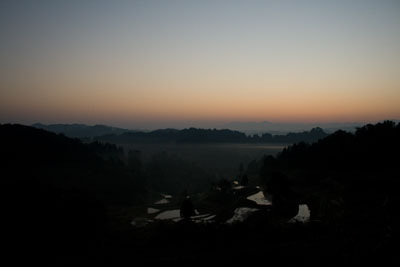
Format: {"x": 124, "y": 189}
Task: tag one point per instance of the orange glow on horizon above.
{"x": 144, "y": 62}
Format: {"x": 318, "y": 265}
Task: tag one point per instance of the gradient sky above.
{"x": 146, "y": 63}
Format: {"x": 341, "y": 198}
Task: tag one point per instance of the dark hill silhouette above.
{"x": 65, "y": 202}
{"x": 194, "y": 135}
{"x": 43, "y": 158}
{"x": 54, "y": 193}
{"x": 191, "y": 135}
{"x": 81, "y": 130}
{"x": 350, "y": 182}
{"x": 372, "y": 147}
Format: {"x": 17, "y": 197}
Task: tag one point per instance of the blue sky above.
{"x": 143, "y": 63}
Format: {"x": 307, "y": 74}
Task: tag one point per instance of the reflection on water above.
{"x": 278, "y": 147}
{"x": 174, "y": 215}
{"x": 303, "y": 214}
{"x": 238, "y": 187}
{"x": 165, "y": 199}
{"x": 168, "y": 215}
{"x": 208, "y": 218}
{"x": 152, "y": 211}
{"x": 203, "y": 218}
{"x": 241, "y": 214}
{"x": 260, "y": 199}
{"x": 162, "y": 201}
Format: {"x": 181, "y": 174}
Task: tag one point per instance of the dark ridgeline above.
{"x": 81, "y": 130}
{"x": 58, "y": 193}
{"x": 350, "y": 182}
{"x": 194, "y": 135}
{"x": 39, "y": 158}
{"x": 54, "y": 193}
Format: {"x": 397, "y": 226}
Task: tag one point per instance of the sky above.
{"x": 145, "y": 64}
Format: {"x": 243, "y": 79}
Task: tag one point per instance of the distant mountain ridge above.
{"x": 81, "y": 130}
{"x": 115, "y": 135}
{"x": 283, "y": 128}
{"x": 194, "y": 135}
